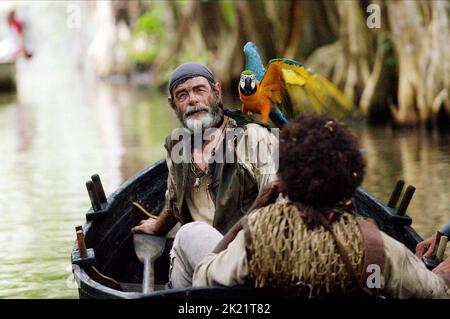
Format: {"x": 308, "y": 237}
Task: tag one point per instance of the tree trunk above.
{"x": 294, "y": 30}
{"x": 421, "y": 33}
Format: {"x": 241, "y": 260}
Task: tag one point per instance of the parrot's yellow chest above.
{"x": 256, "y": 102}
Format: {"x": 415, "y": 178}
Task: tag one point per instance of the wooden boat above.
{"x": 7, "y": 75}
{"x": 111, "y": 269}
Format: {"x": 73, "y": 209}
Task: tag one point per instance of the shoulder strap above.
{"x": 372, "y": 244}
{"x": 343, "y": 253}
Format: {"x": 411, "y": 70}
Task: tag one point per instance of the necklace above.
{"x": 197, "y": 174}
{"x": 194, "y": 170}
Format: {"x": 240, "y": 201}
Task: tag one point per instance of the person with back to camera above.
{"x": 313, "y": 241}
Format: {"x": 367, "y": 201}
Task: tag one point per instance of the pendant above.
{"x": 197, "y": 182}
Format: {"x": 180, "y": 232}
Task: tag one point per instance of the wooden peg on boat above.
{"x": 81, "y": 244}
{"x": 395, "y": 196}
{"x": 406, "y": 200}
{"x": 99, "y": 188}
{"x": 82, "y": 256}
{"x": 93, "y": 196}
{"x": 98, "y": 198}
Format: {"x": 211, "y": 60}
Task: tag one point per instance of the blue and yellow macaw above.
{"x": 261, "y": 90}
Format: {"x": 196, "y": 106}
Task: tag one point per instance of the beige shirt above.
{"x": 404, "y": 275}
{"x": 255, "y": 153}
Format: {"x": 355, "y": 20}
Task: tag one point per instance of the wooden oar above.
{"x": 148, "y": 248}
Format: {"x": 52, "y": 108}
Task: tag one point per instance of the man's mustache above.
{"x": 194, "y": 109}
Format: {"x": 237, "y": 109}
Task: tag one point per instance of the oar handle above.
{"x": 441, "y": 249}
{"x": 149, "y": 276}
{"x": 437, "y": 240}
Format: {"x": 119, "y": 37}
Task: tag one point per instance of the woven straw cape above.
{"x": 283, "y": 252}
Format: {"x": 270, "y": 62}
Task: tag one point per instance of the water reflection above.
{"x": 421, "y": 160}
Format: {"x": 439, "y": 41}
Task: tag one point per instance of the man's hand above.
{"x": 425, "y": 248}
{"x": 159, "y": 226}
{"x": 443, "y": 266}
{"x": 148, "y": 226}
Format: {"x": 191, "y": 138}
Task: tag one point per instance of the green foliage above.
{"x": 228, "y": 11}
{"x": 142, "y": 56}
{"x": 150, "y": 22}
{"x": 386, "y": 41}
{"x": 388, "y": 48}
{"x": 181, "y": 2}
{"x": 148, "y": 36}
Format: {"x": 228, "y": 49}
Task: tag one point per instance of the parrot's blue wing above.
{"x": 253, "y": 60}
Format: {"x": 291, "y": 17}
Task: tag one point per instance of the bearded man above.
{"x": 218, "y": 192}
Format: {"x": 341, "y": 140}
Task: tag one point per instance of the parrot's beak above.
{"x": 248, "y": 85}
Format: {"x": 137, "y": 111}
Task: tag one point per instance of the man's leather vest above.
{"x": 232, "y": 187}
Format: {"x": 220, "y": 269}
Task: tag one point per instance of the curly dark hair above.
{"x": 320, "y": 161}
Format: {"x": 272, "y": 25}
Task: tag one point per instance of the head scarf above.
{"x": 189, "y": 70}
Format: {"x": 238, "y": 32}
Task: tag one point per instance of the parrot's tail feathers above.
{"x": 277, "y": 117}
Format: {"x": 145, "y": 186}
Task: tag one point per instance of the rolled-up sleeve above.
{"x": 405, "y": 275}
{"x": 227, "y": 268}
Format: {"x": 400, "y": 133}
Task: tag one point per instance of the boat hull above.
{"x": 110, "y": 237}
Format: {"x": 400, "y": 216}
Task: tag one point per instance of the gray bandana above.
{"x": 189, "y": 70}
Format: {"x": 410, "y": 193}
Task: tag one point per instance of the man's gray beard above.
{"x": 208, "y": 120}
